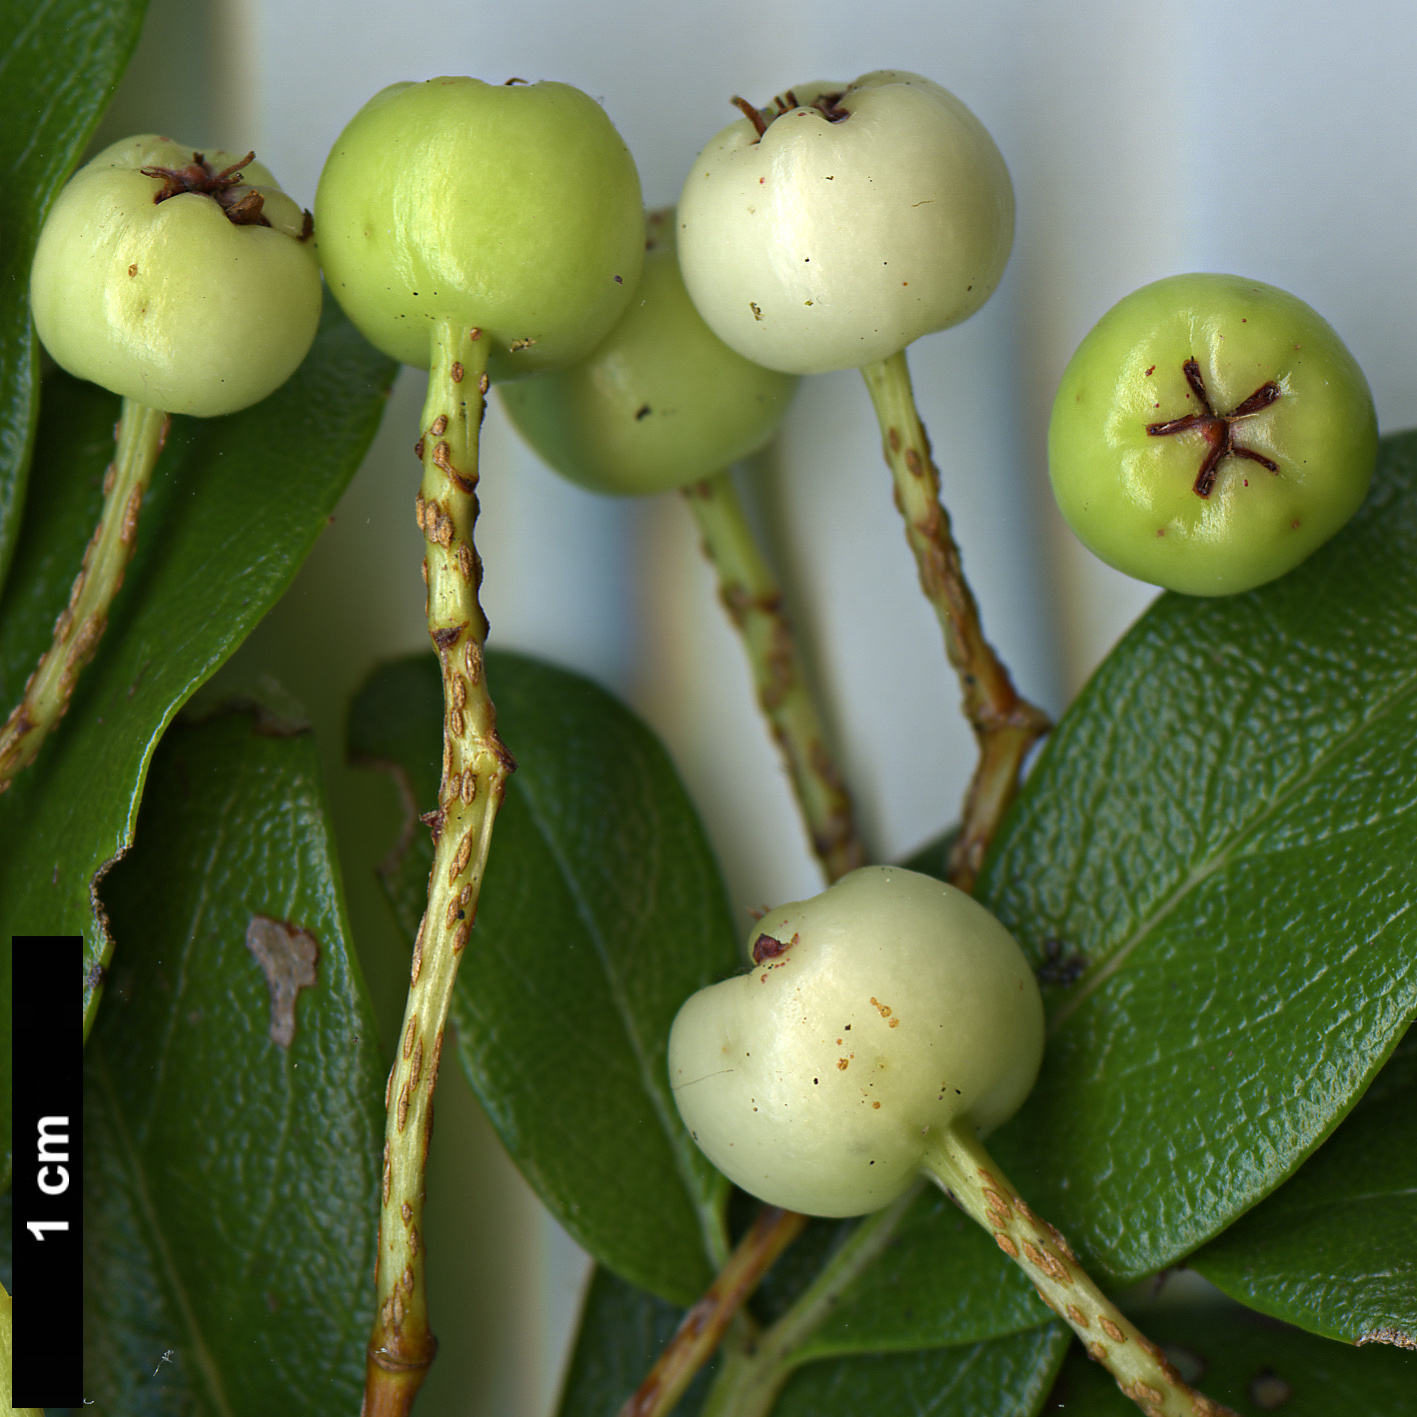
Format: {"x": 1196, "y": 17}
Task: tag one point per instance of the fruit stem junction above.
{"x": 475, "y": 771}
{"x": 958, "y": 1161}
{"x": 140, "y": 436}
{"x": 1005, "y": 725}
{"x": 1216, "y": 428}
{"x": 753, "y": 600}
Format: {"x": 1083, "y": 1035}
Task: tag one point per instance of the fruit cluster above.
{"x": 1209, "y": 434}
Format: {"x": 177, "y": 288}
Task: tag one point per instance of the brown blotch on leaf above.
{"x": 288, "y": 954}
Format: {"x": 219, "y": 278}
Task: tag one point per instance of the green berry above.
{"x": 184, "y": 280}
{"x": 512, "y": 209}
{"x": 887, "y": 1008}
{"x": 1209, "y": 434}
{"x": 661, "y": 401}
{"x": 863, "y": 216}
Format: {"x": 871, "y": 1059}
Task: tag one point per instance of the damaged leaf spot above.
{"x": 287, "y": 953}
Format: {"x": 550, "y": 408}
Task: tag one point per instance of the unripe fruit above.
{"x": 1209, "y": 434}
{"x": 886, "y": 1009}
{"x": 661, "y": 401}
{"x": 864, "y": 216}
{"x": 162, "y": 277}
{"x": 513, "y": 209}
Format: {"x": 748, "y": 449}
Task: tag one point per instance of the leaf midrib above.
{"x": 206, "y": 1364}
{"x": 708, "y": 1218}
{"x": 1223, "y": 857}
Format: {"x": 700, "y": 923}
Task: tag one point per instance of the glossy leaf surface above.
{"x": 1223, "y": 827}
{"x": 601, "y": 912}
{"x": 1335, "y": 1249}
{"x": 59, "y": 62}
{"x": 235, "y": 505}
{"x": 230, "y": 1182}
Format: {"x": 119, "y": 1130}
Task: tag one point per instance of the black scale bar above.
{"x": 46, "y": 1084}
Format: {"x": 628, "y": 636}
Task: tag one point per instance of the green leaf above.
{"x": 59, "y": 63}
{"x": 229, "y": 1181}
{"x": 235, "y": 505}
{"x": 1255, "y": 1367}
{"x": 939, "y": 1280}
{"x": 622, "y": 1331}
{"x": 1335, "y": 1249}
{"x": 601, "y": 912}
{"x": 1005, "y": 1377}
{"x": 1224, "y": 827}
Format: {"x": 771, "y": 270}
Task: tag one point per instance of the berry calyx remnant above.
{"x": 184, "y": 280}
{"x": 846, "y": 221}
{"x": 1209, "y": 434}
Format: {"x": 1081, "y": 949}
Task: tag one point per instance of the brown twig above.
{"x": 703, "y": 1327}
{"x": 1005, "y": 725}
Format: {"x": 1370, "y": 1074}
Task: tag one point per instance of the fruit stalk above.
{"x": 475, "y": 771}
{"x": 753, "y": 600}
{"x": 140, "y": 436}
{"x": 959, "y": 1162}
{"x": 1005, "y": 725}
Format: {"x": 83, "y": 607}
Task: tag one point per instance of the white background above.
{"x": 1270, "y": 140}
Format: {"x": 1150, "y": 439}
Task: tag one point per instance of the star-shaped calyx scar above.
{"x": 1217, "y": 428}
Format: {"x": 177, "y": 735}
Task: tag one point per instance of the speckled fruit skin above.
{"x": 170, "y": 303}
{"x": 514, "y": 209}
{"x": 896, "y": 1006}
{"x": 831, "y": 245}
{"x": 661, "y": 401}
{"x": 1130, "y": 495}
